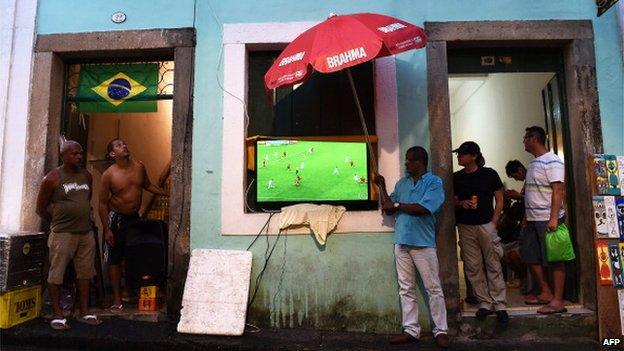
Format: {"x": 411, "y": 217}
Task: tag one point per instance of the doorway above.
{"x": 573, "y": 40}
{"x": 494, "y": 95}
{"x": 53, "y": 52}
{"x": 145, "y": 125}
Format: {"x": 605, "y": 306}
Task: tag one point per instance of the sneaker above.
{"x": 503, "y": 319}
{"x": 482, "y": 313}
{"x": 442, "y": 340}
{"x": 402, "y": 338}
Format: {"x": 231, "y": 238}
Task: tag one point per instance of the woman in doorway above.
{"x": 476, "y": 187}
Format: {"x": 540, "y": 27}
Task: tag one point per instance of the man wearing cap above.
{"x": 543, "y": 203}
{"x": 475, "y": 188}
{"x": 416, "y": 199}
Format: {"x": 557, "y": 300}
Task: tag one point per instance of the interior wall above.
{"x": 493, "y": 110}
{"x": 148, "y": 136}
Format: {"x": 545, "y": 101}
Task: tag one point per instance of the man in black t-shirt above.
{"x": 475, "y": 189}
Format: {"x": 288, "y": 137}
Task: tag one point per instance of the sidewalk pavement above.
{"x": 120, "y": 334}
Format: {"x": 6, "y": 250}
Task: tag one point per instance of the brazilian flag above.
{"x": 118, "y": 88}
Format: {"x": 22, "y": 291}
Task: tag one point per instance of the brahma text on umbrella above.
{"x": 292, "y": 58}
{"x": 345, "y": 57}
{"x": 392, "y": 27}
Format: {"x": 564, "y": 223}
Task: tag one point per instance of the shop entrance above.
{"x": 494, "y": 95}
{"x": 92, "y": 117}
{"x": 53, "y": 55}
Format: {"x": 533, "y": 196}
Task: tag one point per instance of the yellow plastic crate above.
{"x": 19, "y": 306}
{"x": 148, "y": 292}
{"x": 148, "y": 305}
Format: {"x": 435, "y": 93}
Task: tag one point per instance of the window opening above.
{"x": 319, "y": 109}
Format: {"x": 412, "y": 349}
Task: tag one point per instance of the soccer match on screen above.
{"x": 293, "y": 170}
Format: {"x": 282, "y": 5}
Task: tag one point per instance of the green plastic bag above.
{"x": 559, "y": 245}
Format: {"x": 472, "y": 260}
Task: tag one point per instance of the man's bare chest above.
{"x": 125, "y": 180}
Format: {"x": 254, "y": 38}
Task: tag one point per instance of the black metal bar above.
{"x": 158, "y": 97}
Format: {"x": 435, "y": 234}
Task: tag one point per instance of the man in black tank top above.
{"x": 64, "y": 201}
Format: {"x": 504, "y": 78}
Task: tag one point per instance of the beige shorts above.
{"x": 65, "y": 247}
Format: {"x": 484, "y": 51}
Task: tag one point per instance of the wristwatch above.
{"x": 396, "y": 205}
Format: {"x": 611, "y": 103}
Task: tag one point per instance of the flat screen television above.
{"x": 304, "y": 171}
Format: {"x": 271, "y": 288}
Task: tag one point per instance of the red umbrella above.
{"x": 343, "y": 41}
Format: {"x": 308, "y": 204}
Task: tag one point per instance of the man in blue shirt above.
{"x": 416, "y": 199}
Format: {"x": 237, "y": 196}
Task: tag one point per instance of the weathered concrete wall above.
{"x": 17, "y": 32}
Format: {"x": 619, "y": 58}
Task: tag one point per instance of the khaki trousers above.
{"x": 410, "y": 259}
{"x": 481, "y": 252}
{"x": 65, "y": 247}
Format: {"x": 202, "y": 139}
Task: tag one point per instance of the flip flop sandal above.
{"x": 59, "y": 324}
{"x": 536, "y": 302}
{"x": 116, "y": 308}
{"x": 89, "y": 319}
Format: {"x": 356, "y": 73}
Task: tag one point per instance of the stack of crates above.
{"x": 148, "y": 298}
{"x": 22, "y": 255}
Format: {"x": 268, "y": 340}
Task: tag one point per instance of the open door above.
{"x": 558, "y": 141}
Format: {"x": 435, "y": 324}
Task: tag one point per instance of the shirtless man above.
{"x": 120, "y": 200}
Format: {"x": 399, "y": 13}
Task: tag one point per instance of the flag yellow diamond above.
{"x": 127, "y": 92}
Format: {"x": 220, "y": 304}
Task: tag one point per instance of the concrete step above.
{"x": 526, "y": 324}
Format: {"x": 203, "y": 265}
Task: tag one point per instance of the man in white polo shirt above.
{"x": 543, "y": 196}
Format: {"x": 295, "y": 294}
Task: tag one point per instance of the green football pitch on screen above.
{"x": 291, "y": 170}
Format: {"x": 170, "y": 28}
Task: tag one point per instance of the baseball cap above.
{"x": 468, "y": 147}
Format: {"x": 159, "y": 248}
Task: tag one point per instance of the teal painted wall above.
{"x": 351, "y": 284}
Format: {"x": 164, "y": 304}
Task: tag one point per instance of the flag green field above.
{"x": 118, "y": 88}
{"x": 327, "y": 171}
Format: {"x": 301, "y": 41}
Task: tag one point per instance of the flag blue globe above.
{"x": 119, "y": 89}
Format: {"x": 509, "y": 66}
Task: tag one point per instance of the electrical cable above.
{"x": 261, "y": 274}
{"x": 245, "y": 198}
{"x": 283, "y": 270}
{"x": 260, "y": 232}
{"x": 176, "y": 234}
{"x": 218, "y": 68}
{"x": 267, "y": 254}
{"x": 254, "y": 329}
{"x": 194, "y": 12}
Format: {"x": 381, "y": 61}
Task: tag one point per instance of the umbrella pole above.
{"x": 361, "y": 114}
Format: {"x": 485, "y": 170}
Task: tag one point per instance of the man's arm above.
{"x": 555, "y": 204}
{"x": 386, "y": 201}
{"x": 498, "y": 208}
{"x": 433, "y": 199}
{"x": 513, "y": 194}
{"x": 147, "y": 185}
{"x": 413, "y": 209}
{"x": 46, "y": 190}
{"x": 103, "y": 208}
